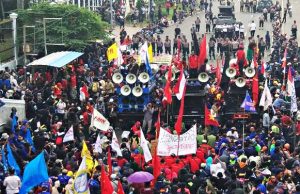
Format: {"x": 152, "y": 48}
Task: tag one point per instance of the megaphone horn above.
{"x": 203, "y": 77}
{"x": 144, "y": 77}
{"x": 131, "y": 78}
{"x": 117, "y": 78}
{"x": 230, "y": 72}
{"x": 250, "y": 72}
{"x": 125, "y": 90}
{"x": 154, "y": 68}
{"x": 240, "y": 82}
{"x": 137, "y": 91}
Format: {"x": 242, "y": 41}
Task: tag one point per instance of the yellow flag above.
{"x": 89, "y": 159}
{"x": 150, "y": 53}
{"x": 112, "y": 52}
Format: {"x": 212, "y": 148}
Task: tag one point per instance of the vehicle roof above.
{"x": 225, "y": 6}
{"x": 225, "y": 21}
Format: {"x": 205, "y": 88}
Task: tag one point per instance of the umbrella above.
{"x": 140, "y": 177}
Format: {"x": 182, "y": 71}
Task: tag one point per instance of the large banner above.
{"x": 168, "y": 143}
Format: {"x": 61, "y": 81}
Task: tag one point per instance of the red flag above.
{"x": 84, "y": 91}
{"x": 156, "y": 165}
{"x": 202, "y": 55}
{"x": 120, "y": 188}
{"x": 284, "y": 59}
{"x": 106, "y": 187}
{"x": 209, "y": 119}
{"x": 255, "y": 89}
{"x": 167, "y": 90}
{"x": 109, "y": 161}
{"x": 218, "y": 73}
{"x": 290, "y": 82}
{"x": 178, "y": 124}
{"x": 157, "y": 125}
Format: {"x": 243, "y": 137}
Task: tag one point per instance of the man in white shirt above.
{"x": 61, "y": 105}
{"x": 12, "y": 183}
{"x": 232, "y": 133}
{"x": 252, "y": 27}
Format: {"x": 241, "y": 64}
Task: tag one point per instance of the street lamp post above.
{"x": 14, "y": 17}
{"x": 111, "y": 15}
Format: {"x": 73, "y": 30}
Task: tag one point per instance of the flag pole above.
{"x": 244, "y": 130}
{"x": 178, "y": 145}
{"x": 168, "y": 106}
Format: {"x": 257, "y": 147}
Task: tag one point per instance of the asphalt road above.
{"x": 244, "y": 17}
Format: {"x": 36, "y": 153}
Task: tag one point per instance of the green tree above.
{"x": 77, "y": 28}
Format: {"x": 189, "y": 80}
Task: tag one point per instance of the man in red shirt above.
{"x": 73, "y": 81}
{"x": 241, "y": 58}
{"x": 193, "y": 66}
{"x": 177, "y": 166}
{"x": 194, "y": 163}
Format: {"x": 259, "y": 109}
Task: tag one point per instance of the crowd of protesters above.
{"x": 265, "y": 160}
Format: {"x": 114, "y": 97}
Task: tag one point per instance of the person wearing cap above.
{"x": 204, "y": 147}
{"x": 279, "y": 102}
{"x": 232, "y": 133}
{"x": 63, "y": 178}
{"x": 4, "y": 136}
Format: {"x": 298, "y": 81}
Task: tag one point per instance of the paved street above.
{"x": 244, "y": 17}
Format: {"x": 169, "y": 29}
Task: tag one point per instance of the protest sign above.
{"x": 168, "y": 143}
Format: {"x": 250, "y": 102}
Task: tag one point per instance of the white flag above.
{"x": 181, "y": 86}
{"x": 81, "y": 180}
{"x": 144, "y": 145}
{"x": 294, "y": 107}
{"x": 99, "y": 121}
{"x": 98, "y": 145}
{"x": 291, "y": 91}
{"x": 119, "y": 61}
{"x": 115, "y": 144}
{"x": 69, "y": 136}
{"x": 266, "y": 97}
{"x": 144, "y": 52}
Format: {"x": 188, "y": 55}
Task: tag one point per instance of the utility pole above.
{"x": 78, "y": 3}
{"x": 111, "y": 14}
{"x": 26, "y": 47}
{"x": 14, "y": 17}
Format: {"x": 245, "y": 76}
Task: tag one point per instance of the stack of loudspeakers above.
{"x": 232, "y": 72}
{"x": 132, "y": 97}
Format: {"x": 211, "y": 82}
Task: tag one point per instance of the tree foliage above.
{"x": 77, "y": 27}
